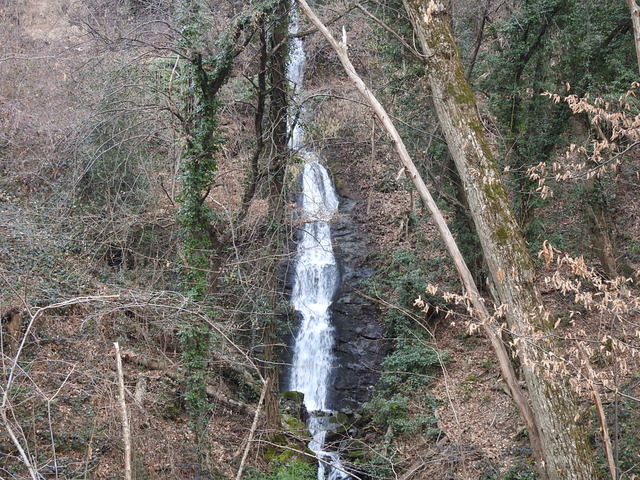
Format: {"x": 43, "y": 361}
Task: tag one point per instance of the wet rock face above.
{"x": 360, "y": 346}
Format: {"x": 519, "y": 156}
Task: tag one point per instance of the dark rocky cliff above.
{"x": 360, "y": 345}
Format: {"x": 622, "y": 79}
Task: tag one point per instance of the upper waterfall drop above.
{"x": 295, "y": 75}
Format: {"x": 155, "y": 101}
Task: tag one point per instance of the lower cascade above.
{"x": 316, "y": 281}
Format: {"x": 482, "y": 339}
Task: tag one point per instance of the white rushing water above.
{"x": 315, "y": 283}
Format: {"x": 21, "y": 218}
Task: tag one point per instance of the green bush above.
{"x": 412, "y": 364}
{"x": 294, "y": 470}
{"x": 394, "y": 412}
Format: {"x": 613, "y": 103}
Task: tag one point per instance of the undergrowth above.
{"x": 402, "y": 405}
{"x": 295, "y": 470}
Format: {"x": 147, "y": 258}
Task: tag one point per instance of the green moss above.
{"x": 285, "y": 451}
{"x": 293, "y": 396}
{"x": 342, "y": 418}
{"x": 288, "y": 470}
{"x": 294, "y": 425}
{"x": 476, "y": 127}
{"x": 281, "y": 456}
{"x": 464, "y": 93}
{"x": 495, "y": 193}
{"x": 502, "y": 235}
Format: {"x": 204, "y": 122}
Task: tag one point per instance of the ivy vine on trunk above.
{"x": 202, "y": 142}
{"x": 207, "y": 66}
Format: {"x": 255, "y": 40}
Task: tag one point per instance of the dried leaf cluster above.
{"x": 616, "y": 132}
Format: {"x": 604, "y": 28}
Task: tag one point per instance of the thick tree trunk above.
{"x": 253, "y": 176}
{"x": 566, "y": 453}
{"x": 279, "y": 85}
{"x": 278, "y": 156}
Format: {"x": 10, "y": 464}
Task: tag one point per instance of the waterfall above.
{"x": 316, "y": 281}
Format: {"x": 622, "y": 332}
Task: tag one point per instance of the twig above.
{"x": 33, "y": 317}
{"x": 126, "y": 429}
{"x": 252, "y": 432}
{"x": 373, "y": 157}
{"x": 25, "y": 458}
{"x": 604, "y": 429}
{"x": 397, "y": 36}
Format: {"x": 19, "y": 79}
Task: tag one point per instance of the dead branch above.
{"x": 176, "y": 374}
{"x": 126, "y": 429}
{"x": 252, "y": 432}
{"x": 33, "y": 472}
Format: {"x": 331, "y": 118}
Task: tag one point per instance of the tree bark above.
{"x": 126, "y": 429}
{"x": 599, "y": 227}
{"x": 279, "y": 85}
{"x": 258, "y": 125}
{"x": 491, "y": 330}
{"x": 566, "y": 453}
{"x": 635, "y": 20}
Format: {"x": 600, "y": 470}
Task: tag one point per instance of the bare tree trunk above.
{"x": 279, "y": 84}
{"x": 490, "y": 329}
{"x": 126, "y": 429}
{"x": 566, "y": 453}
{"x": 258, "y": 123}
{"x": 635, "y": 19}
{"x": 597, "y": 212}
{"x": 599, "y": 227}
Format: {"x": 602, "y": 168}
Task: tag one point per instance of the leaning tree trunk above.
{"x": 490, "y": 328}
{"x": 566, "y": 451}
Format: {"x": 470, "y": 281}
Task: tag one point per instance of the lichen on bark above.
{"x": 563, "y": 452}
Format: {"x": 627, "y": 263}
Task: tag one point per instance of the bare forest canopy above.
{"x": 148, "y": 198}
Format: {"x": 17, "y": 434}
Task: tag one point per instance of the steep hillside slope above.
{"x": 90, "y": 161}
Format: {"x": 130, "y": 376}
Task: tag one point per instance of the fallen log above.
{"x": 178, "y": 375}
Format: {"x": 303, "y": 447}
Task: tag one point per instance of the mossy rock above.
{"x": 287, "y": 449}
{"x": 356, "y": 454}
{"x": 343, "y": 419}
{"x": 292, "y": 403}
{"x": 293, "y": 396}
{"x": 295, "y": 426}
